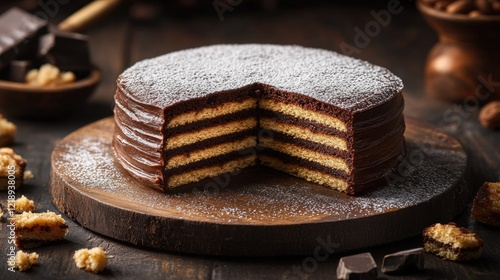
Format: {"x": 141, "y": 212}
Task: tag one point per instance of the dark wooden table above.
{"x": 117, "y": 43}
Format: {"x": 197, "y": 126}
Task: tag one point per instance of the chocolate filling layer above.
{"x": 211, "y": 100}
{"x": 309, "y": 124}
{"x": 210, "y": 143}
{"x": 285, "y": 158}
{"x": 199, "y": 125}
{"x": 213, "y": 161}
{"x": 449, "y": 247}
{"x": 317, "y": 147}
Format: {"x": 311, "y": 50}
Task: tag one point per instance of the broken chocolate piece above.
{"x": 360, "y": 266}
{"x": 19, "y": 34}
{"x": 403, "y": 261}
{"x": 18, "y": 70}
{"x": 67, "y": 51}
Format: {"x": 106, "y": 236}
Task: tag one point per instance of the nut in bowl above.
{"x": 465, "y": 62}
{"x": 37, "y": 101}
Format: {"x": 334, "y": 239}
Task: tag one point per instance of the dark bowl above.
{"x": 483, "y": 30}
{"x": 464, "y": 66}
{"x": 33, "y": 102}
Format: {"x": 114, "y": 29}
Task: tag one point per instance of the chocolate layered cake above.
{"x": 312, "y": 113}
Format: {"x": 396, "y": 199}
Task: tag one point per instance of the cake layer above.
{"x": 313, "y": 146}
{"x": 286, "y": 158}
{"x": 205, "y": 123}
{"x": 210, "y": 132}
{"x": 210, "y": 171}
{"x": 304, "y": 153}
{"x": 301, "y": 113}
{"x": 304, "y": 172}
{"x": 213, "y": 151}
{"x": 210, "y": 113}
{"x": 217, "y": 160}
{"x": 303, "y": 133}
{"x": 309, "y": 124}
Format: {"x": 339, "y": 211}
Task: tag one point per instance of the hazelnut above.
{"x": 490, "y": 115}
{"x": 460, "y": 7}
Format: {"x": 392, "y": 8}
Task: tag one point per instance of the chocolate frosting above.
{"x": 329, "y": 77}
{"x": 366, "y": 97}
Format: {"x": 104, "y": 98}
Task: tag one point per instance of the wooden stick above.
{"x": 86, "y": 15}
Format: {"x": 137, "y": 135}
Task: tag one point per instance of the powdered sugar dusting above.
{"x": 258, "y": 195}
{"x": 327, "y": 76}
{"x": 88, "y": 163}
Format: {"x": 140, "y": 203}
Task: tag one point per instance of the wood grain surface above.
{"x": 117, "y": 42}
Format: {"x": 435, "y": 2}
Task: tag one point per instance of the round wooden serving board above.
{"x": 259, "y": 211}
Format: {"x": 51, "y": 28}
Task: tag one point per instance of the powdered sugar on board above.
{"x": 324, "y": 75}
{"x": 258, "y": 195}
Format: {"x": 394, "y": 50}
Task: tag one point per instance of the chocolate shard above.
{"x": 19, "y": 34}
{"x": 360, "y": 266}
{"x": 406, "y": 261}
{"x": 18, "y": 70}
{"x": 68, "y": 51}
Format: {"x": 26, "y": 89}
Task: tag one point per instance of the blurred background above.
{"x": 136, "y": 30}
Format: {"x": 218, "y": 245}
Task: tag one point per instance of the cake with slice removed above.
{"x": 312, "y": 113}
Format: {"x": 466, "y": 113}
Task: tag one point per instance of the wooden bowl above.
{"x": 27, "y": 101}
{"x": 464, "y": 66}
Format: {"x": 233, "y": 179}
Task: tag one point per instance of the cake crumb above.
{"x": 93, "y": 260}
{"x": 486, "y": 205}
{"x": 7, "y": 132}
{"x": 28, "y": 175}
{"x": 35, "y": 229}
{"x": 452, "y": 242}
{"x": 23, "y": 204}
{"x": 11, "y": 164}
{"x": 24, "y": 261}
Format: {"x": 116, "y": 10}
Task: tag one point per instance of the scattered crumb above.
{"x": 486, "y": 205}
{"x": 35, "y": 229}
{"x": 11, "y": 164}
{"x": 7, "y": 132}
{"x": 93, "y": 260}
{"x": 49, "y": 75}
{"x": 28, "y": 175}
{"x": 452, "y": 242}
{"x": 24, "y": 261}
{"x": 23, "y": 204}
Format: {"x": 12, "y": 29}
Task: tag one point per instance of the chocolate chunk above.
{"x": 403, "y": 261}
{"x": 19, "y": 34}
{"x": 360, "y": 266}
{"x": 18, "y": 70}
{"x": 67, "y": 51}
